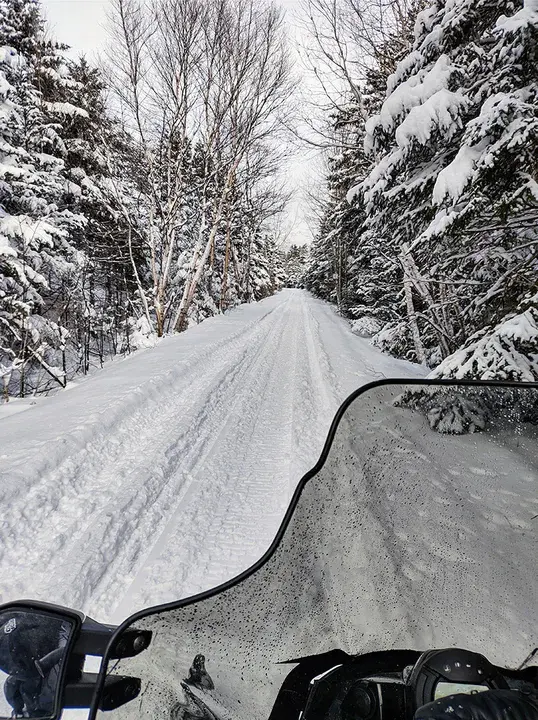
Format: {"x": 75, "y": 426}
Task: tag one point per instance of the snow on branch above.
{"x": 508, "y": 352}
{"x": 66, "y": 109}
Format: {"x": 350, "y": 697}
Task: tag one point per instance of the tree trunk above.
{"x": 423, "y": 289}
{"x": 181, "y": 322}
{"x": 190, "y": 288}
{"x": 411, "y": 314}
{"x": 224, "y": 286}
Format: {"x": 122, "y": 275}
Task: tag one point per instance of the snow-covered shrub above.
{"x": 366, "y": 326}
{"x": 507, "y": 352}
{"x": 393, "y": 339}
{"x": 143, "y": 335}
{"x": 449, "y": 411}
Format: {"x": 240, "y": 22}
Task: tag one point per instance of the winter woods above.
{"x": 136, "y": 200}
{"x": 203, "y": 85}
{"x": 430, "y": 228}
{"x": 140, "y": 198}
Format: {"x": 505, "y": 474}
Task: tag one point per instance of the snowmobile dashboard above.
{"x": 396, "y": 685}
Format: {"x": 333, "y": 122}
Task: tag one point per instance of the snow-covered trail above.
{"x": 170, "y": 471}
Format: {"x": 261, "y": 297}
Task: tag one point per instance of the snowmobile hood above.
{"x": 418, "y": 528}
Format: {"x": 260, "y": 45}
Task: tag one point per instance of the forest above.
{"x": 428, "y": 230}
{"x": 143, "y": 195}
{"x": 135, "y": 198}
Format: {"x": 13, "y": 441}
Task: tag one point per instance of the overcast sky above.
{"x": 82, "y": 25}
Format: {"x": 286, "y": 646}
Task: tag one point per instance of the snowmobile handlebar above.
{"x": 43, "y": 649}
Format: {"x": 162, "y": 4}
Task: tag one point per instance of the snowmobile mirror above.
{"x": 36, "y": 658}
{"x": 43, "y": 650}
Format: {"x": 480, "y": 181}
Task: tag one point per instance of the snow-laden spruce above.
{"x": 37, "y": 254}
{"x": 55, "y": 306}
{"x": 508, "y": 351}
{"x": 451, "y": 201}
{"x": 438, "y": 240}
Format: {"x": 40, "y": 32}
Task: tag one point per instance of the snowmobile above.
{"x": 401, "y": 584}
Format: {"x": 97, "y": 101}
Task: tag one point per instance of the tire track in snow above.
{"x": 118, "y": 493}
{"x": 241, "y": 489}
{"x": 215, "y": 428}
{"x": 170, "y": 472}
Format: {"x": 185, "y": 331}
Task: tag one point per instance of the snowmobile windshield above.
{"x": 417, "y": 529}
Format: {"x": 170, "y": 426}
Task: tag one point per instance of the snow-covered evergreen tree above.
{"x": 452, "y": 199}
{"x": 295, "y": 262}
{"x": 65, "y": 269}
{"x": 508, "y": 351}
{"x": 37, "y": 225}
{"x": 330, "y": 270}
{"x": 344, "y": 265}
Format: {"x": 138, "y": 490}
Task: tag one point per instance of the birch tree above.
{"x": 210, "y": 78}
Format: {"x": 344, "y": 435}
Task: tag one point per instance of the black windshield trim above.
{"x": 192, "y": 599}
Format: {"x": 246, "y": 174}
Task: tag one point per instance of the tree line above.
{"x": 137, "y": 198}
{"x": 428, "y": 230}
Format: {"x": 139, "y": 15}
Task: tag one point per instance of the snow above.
{"x": 413, "y": 92}
{"x": 353, "y": 192}
{"x": 65, "y": 108}
{"x": 5, "y": 247}
{"x": 528, "y": 15}
{"x": 16, "y": 405}
{"x": 8, "y": 168}
{"x": 170, "y": 471}
{"x": 453, "y": 179}
{"x": 405, "y": 66}
{"x": 440, "y": 112}
{"x": 32, "y": 231}
{"x": 5, "y": 88}
{"x": 379, "y": 176}
{"x": 416, "y": 108}
{"x": 48, "y": 161}
{"x": 9, "y": 56}
{"x": 143, "y": 336}
{"x": 435, "y": 37}
{"x": 531, "y": 185}
{"x": 387, "y": 335}
{"x": 366, "y": 326}
{"x": 369, "y": 130}
{"x": 72, "y": 188}
{"x": 425, "y": 20}
{"x": 509, "y": 352}
{"x": 439, "y": 225}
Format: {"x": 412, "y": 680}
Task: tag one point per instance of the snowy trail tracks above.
{"x": 169, "y": 472}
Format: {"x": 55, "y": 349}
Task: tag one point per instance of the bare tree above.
{"x": 193, "y": 76}
{"x": 344, "y": 41}
{"x": 250, "y": 85}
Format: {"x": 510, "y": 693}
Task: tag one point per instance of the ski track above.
{"x": 170, "y": 471}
